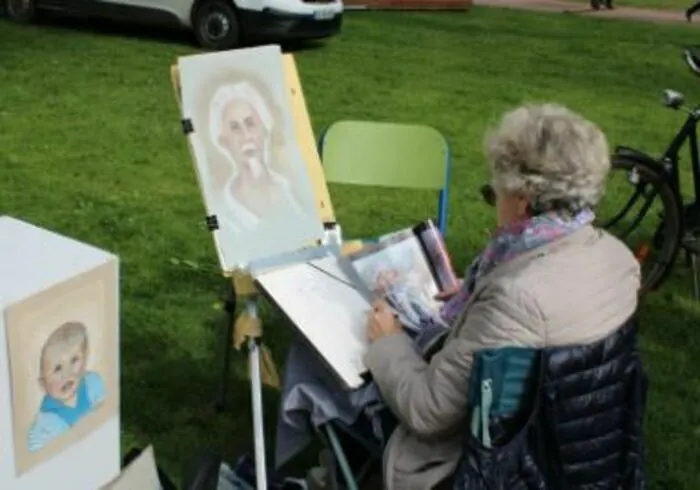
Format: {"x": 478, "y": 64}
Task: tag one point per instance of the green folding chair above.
{"x": 382, "y": 154}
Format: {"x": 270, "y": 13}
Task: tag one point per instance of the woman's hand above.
{"x": 382, "y": 321}
{"x": 447, "y": 294}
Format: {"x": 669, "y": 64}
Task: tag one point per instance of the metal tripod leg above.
{"x": 256, "y": 396}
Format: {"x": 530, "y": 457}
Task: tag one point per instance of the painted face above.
{"x": 62, "y": 369}
{"x": 243, "y": 135}
{"x": 386, "y": 279}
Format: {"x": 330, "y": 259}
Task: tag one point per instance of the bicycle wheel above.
{"x": 643, "y": 210}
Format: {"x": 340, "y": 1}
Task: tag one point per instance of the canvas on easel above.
{"x": 257, "y": 192}
{"x": 244, "y": 116}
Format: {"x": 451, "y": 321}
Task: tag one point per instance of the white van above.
{"x": 217, "y": 24}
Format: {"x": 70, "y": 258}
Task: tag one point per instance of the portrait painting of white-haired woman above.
{"x": 250, "y": 167}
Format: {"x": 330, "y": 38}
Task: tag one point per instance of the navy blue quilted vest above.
{"x": 579, "y": 426}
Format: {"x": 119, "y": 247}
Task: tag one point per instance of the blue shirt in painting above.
{"x": 54, "y": 418}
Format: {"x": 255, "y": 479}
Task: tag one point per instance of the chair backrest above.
{"x": 387, "y": 155}
{"x": 561, "y": 402}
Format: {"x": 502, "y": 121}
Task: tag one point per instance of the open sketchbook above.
{"x": 328, "y": 299}
{"x": 408, "y": 269}
{"x": 328, "y": 308}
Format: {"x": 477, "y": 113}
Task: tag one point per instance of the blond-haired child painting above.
{"x": 70, "y": 390}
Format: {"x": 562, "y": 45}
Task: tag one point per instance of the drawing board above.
{"x": 248, "y": 161}
{"x": 59, "y": 361}
{"x": 329, "y": 310}
{"x": 63, "y": 365}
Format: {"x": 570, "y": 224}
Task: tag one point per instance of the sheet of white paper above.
{"x": 140, "y": 474}
{"x": 321, "y": 300}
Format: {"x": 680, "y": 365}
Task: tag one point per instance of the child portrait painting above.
{"x": 63, "y": 355}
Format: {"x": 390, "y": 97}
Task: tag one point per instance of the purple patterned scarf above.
{"x": 510, "y": 242}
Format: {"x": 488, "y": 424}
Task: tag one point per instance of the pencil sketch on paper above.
{"x": 250, "y": 167}
{"x": 327, "y": 309}
{"x": 63, "y": 364}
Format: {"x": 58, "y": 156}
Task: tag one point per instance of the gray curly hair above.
{"x": 550, "y": 153}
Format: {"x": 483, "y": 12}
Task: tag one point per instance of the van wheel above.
{"x": 216, "y": 25}
{"x": 20, "y": 11}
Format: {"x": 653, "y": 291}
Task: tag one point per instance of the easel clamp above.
{"x": 187, "y": 126}
{"x": 212, "y": 222}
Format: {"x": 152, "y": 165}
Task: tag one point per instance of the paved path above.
{"x": 619, "y": 12}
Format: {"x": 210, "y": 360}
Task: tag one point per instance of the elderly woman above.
{"x": 548, "y": 277}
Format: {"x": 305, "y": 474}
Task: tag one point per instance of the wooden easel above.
{"x": 247, "y": 327}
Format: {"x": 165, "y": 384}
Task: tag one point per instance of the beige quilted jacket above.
{"x": 575, "y": 290}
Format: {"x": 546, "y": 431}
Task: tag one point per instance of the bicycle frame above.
{"x": 668, "y": 167}
{"x": 670, "y": 158}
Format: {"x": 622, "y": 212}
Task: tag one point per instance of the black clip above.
{"x": 212, "y": 222}
{"x": 187, "y": 126}
{"x": 329, "y": 225}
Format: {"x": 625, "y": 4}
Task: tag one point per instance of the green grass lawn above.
{"x": 91, "y": 146}
{"x": 660, "y": 4}
{"x": 655, "y": 4}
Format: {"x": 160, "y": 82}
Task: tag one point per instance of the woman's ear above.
{"x": 524, "y": 205}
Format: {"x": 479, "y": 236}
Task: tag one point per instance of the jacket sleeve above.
{"x": 431, "y": 398}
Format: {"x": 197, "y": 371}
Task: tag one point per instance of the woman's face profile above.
{"x": 243, "y": 135}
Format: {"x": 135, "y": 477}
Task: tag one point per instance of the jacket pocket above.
{"x": 415, "y": 455}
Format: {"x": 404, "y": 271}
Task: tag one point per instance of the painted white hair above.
{"x": 552, "y": 154}
{"x": 223, "y": 96}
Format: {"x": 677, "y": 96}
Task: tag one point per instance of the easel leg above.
{"x": 256, "y": 395}
{"x": 227, "y": 346}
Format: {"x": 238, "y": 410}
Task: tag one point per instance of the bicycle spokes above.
{"x": 642, "y": 189}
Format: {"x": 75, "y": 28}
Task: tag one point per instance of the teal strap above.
{"x": 476, "y": 413}
{"x": 486, "y": 402}
{"x": 481, "y": 414}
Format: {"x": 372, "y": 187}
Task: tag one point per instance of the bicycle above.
{"x": 653, "y": 178}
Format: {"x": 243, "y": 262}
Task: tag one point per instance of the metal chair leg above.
{"x": 350, "y": 482}
{"x": 230, "y": 318}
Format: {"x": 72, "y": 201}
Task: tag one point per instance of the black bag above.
{"x": 509, "y": 463}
